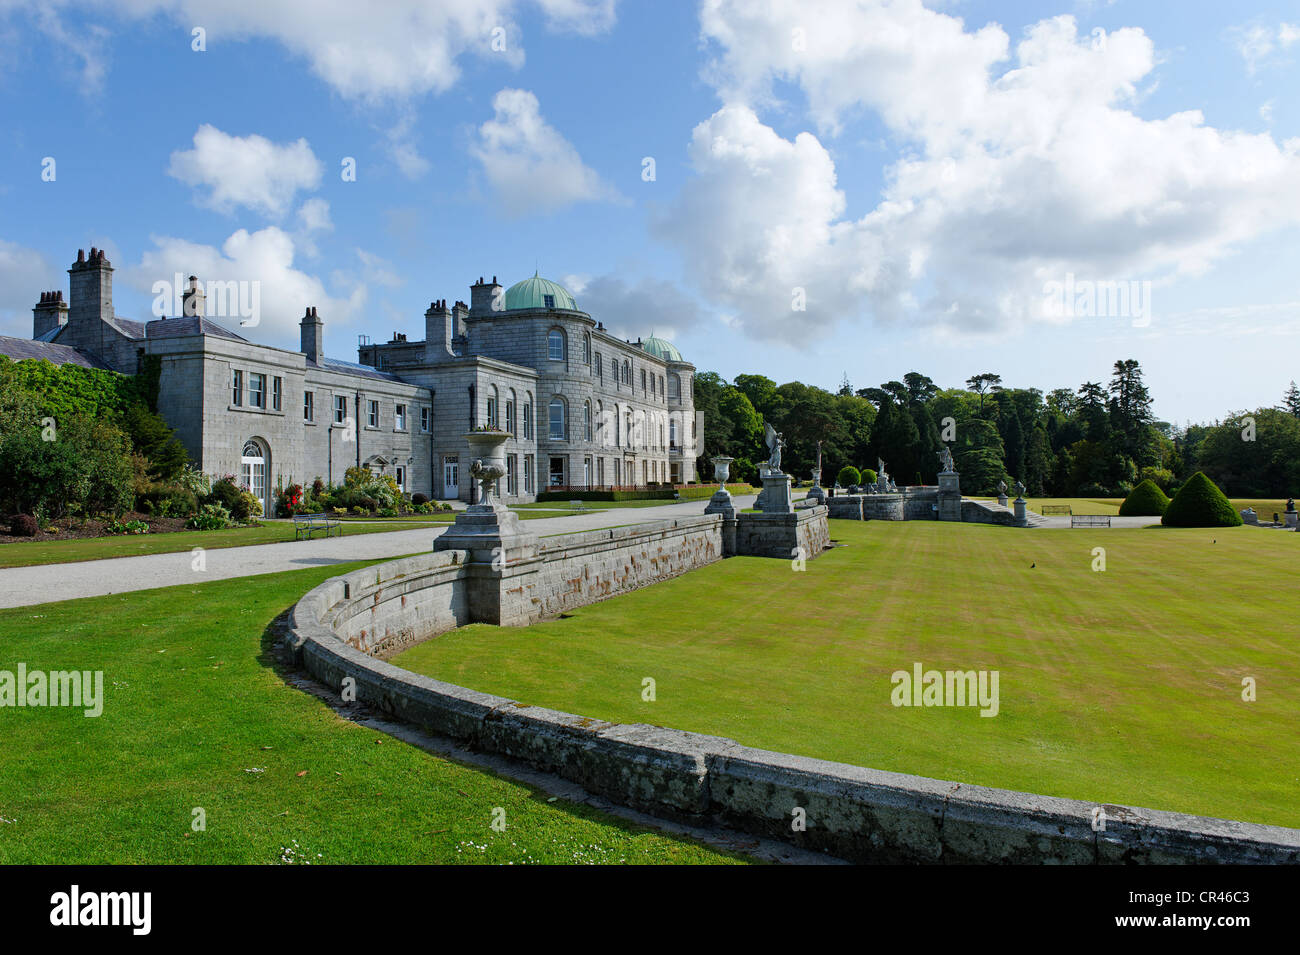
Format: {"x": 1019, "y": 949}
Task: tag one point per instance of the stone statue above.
{"x": 945, "y": 461}
{"x": 774, "y": 445}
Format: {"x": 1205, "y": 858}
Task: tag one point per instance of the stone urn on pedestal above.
{"x": 817, "y": 492}
{"x": 487, "y": 464}
{"x": 721, "y": 499}
{"x": 488, "y": 529}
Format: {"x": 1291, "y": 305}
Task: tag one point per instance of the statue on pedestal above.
{"x": 774, "y": 445}
{"x": 945, "y": 461}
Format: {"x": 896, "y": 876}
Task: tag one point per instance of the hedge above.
{"x": 697, "y": 492}
{"x": 1145, "y": 500}
{"x": 1200, "y": 503}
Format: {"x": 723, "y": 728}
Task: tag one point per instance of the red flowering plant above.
{"x": 289, "y": 499}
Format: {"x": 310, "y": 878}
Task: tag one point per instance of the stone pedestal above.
{"x": 949, "y": 498}
{"x": 1003, "y": 499}
{"x": 798, "y": 534}
{"x": 490, "y": 533}
{"x": 1019, "y": 506}
{"x": 1290, "y": 518}
{"x": 721, "y": 503}
{"x": 775, "y": 498}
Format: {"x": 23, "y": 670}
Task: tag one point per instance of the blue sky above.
{"x": 918, "y": 174}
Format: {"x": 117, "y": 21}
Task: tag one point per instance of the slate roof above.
{"x": 22, "y": 348}
{"x": 189, "y": 325}
{"x": 353, "y": 368}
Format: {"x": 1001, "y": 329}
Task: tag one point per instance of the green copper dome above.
{"x": 661, "y": 348}
{"x": 534, "y": 292}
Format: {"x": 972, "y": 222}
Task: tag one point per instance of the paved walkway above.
{"x": 23, "y": 586}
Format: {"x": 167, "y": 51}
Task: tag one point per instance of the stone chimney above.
{"x": 482, "y": 295}
{"x": 439, "y": 331}
{"x": 90, "y": 288}
{"x": 50, "y": 312}
{"x": 192, "y": 301}
{"x": 313, "y": 336}
{"x": 460, "y": 311}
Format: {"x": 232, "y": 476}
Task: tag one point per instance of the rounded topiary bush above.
{"x": 868, "y": 476}
{"x": 1199, "y": 503}
{"x": 848, "y": 476}
{"x": 1145, "y": 500}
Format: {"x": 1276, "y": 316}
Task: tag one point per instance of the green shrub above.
{"x": 211, "y": 517}
{"x": 1145, "y": 500}
{"x": 848, "y": 476}
{"x": 417, "y": 498}
{"x": 167, "y": 500}
{"x": 230, "y": 496}
{"x": 869, "y": 476}
{"x": 1200, "y": 503}
{"x": 126, "y": 527}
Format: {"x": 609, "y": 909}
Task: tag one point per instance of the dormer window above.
{"x": 549, "y": 301}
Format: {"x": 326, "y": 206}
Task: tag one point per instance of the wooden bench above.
{"x": 1089, "y": 520}
{"x": 577, "y": 505}
{"x": 1056, "y": 509}
{"x": 310, "y": 523}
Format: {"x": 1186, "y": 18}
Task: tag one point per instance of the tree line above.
{"x": 1099, "y": 439}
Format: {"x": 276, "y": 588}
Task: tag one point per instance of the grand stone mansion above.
{"x": 584, "y": 408}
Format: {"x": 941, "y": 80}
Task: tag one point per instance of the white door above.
{"x": 252, "y": 467}
{"x": 451, "y": 476}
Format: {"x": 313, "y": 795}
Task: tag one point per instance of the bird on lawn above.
{"x": 1033, "y": 565}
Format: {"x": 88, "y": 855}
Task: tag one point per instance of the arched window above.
{"x": 642, "y": 381}
{"x": 674, "y": 387}
{"x": 492, "y": 421}
{"x": 510, "y": 412}
{"x": 661, "y": 384}
{"x": 586, "y": 349}
{"x": 528, "y": 417}
{"x": 586, "y": 414}
{"x": 672, "y": 431}
{"x": 252, "y": 471}
{"x": 627, "y": 373}
{"x": 600, "y": 369}
{"x": 557, "y": 418}
{"x": 555, "y": 345}
{"x": 618, "y": 429}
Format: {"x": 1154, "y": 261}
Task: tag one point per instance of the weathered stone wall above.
{"x": 578, "y": 569}
{"x": 859, "y": 814}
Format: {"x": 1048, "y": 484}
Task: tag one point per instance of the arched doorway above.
{"x": 254, "y": 465}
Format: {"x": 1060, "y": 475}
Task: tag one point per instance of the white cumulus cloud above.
{"x": 1016, "y": 167}
{"x": 248, "y": 171}
{"x": 532, "y": 167}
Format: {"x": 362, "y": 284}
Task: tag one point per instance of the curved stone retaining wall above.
{"x": 856, "y": 813}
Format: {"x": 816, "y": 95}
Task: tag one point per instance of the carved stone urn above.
{"x": 722, "y": 469}
{"x": 487, "y": 451}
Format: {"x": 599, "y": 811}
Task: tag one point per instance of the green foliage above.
{"x": 126, "y": 527}
{"x": 1145, "y": 500}
{"x": 211, "y": 517}
{"x": 868, "y": 476}
{"x": 230, "y": 496}
{"x": 1200, "y": 503}
{"x": 62, "y": 391}
{"x": 848, "y": 476}
{"x": 167, "y": 500}
{"x": 83, "y": 467}
{"x": 158, "y": 443}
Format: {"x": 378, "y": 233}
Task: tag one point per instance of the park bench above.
{"x": 308, "y": 524}
{"x": 1089, "y": 520}
{"x": 577, "y": 505}
{"x": 1056, "y": 509}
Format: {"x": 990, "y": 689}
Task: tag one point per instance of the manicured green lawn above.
{"x": 1122, "y": 686}
{"x": 29, "y": 553}
{"x": 196, "y": 716}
